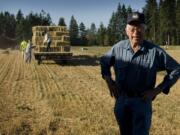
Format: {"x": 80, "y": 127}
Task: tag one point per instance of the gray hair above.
{"x": 144, "y": 26}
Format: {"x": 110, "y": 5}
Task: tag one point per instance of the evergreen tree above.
{"x": 119, "y": 21}
{"x": 61, "y": 22}
{"x": 19, "y": 16}
{"x": 167, "y": 21}
{"x": 116, "y": 27}
{"x": 102, "y": 36}
{"x": 73, "y": 31}
{"x": 178, "y": 22}
{"x": 45, "y": 18}
{"x": 92, "y": 35}
{"x": 129, "y": 10}
{"x": 8, "y": 24}
{"x": 34, "y": 18}
{"x": 21, "y": 27}
{"x": 121, "y": 17}
{"x": 162, "y": 17}
{"x": 11, "y": 26}
{"x": 151, "y": 13}
{"x": 112, "y": 29}
{"x": 83, "y": 34}
{"x": 172, "y": 21}
{"x": 1, "y": 23}
{"x": 124, "y": 20}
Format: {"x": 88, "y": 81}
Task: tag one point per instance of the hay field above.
{"x": 71, "y": 99}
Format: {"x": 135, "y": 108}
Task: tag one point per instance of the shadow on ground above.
{"x": 79, "y": 60}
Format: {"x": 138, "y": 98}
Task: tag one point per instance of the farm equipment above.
{"x": 60, "y": 49}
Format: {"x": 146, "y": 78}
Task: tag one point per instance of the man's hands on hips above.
{"x": 147, "y": 95}
{"x": 151, "y": 94}
{"x": 112, "y": 86}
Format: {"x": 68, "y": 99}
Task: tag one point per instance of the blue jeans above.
{"x": 133, "y": 115}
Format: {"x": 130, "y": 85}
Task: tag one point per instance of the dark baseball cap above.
{"x": 135, "y": 17}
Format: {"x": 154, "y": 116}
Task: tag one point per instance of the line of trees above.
{"x": 162, "y": 19}
{"x": 103, "y": 36}
{"x": 20, "y": 27}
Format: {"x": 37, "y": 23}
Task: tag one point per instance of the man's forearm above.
{"x": 158, "y": 90}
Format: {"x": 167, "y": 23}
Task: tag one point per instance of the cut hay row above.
{"x": 69, "y": 99}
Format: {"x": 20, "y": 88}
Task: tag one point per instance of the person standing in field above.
{"x": 28, "y": 52}
{"x": 23, "y": 46}
{"x": 47, "y": 41}
{"x": 136, "y": 63}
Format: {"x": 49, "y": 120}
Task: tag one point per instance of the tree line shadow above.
{"x": 80, "y": 60}
{"x": 6, "y": 43}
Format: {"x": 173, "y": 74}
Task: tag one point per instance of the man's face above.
{"x": 135, "y": 32}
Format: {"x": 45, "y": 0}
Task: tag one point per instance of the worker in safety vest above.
{"x": 23, "y": 46}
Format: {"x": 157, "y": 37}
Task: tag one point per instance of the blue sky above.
{"x": 86, "y": 11}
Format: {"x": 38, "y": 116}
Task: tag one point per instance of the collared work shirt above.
{"x": 29, "y": 48}
{"x": 137, "y": 71}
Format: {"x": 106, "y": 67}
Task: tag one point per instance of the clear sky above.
{"x": 86, "y": 11}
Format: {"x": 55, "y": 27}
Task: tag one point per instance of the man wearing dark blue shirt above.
{"x": 136, "y": 63}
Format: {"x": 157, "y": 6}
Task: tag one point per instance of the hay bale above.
{"x": 59, "y": 36}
